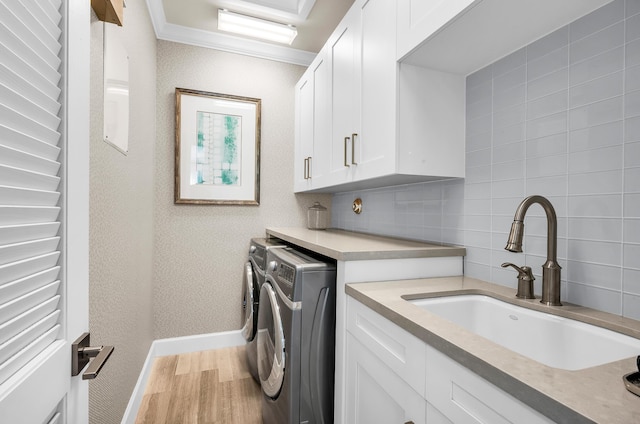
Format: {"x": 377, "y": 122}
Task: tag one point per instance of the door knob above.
{"x": 81, "y": 353}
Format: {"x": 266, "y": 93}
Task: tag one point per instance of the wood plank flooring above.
{"x": 208, "y": 387}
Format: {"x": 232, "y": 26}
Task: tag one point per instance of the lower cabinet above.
{"x": 465, "y": 397}
{"x": 375, "y": 394}
{"x": 382, "y": 389}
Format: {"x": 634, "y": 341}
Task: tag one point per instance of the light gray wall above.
{"x": 121, "y": 218}
{"x": 200, "y": 250}
{"x": 560, "y": 118}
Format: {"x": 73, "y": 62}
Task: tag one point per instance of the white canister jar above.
{"x": 317, "y": 217}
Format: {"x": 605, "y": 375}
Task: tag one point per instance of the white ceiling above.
{"x": 195, "y": 22}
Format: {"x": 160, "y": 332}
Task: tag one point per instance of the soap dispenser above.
{"x": 525, "y": 281}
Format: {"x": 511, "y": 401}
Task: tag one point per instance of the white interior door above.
{"x": 44, "y": 207}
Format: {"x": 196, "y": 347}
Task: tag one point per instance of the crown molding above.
{"x": 228, "y": 43}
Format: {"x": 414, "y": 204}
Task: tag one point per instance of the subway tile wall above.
{"x": 559, "y": 118}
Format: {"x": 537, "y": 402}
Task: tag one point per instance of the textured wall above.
{"x": 561, "y": 118}
{"x": 121, "y": 218}
{"x": 200, "y": 250}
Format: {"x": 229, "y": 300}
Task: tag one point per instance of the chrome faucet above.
{"x": 550, "y": 269}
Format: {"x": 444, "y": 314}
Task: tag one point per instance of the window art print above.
{"x": 217, "y": 148}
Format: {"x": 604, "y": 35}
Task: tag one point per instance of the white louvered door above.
{"x": 44, "y": 73}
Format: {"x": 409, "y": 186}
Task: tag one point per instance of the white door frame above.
{"x": 76, "y": 192}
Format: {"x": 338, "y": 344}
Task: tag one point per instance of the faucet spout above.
{"x": 551, "y": 268}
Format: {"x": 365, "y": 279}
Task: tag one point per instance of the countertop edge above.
{"x": 541, "y": 387}
{"x": 519, "y": 390}
{"x": 309, "y": 239}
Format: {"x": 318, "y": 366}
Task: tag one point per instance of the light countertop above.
{"x": 595, "y": 394}
{"x": 350, "y": 246}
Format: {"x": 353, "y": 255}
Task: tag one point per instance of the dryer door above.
{"x": 270, "y": 342}
{"x": 249, "y": 303}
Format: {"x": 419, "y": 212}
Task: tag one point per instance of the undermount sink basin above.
{"x": 549, "y": 339}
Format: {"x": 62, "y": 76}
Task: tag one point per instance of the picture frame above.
{"x": 217, "y": 151}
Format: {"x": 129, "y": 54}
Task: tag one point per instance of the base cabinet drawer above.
{"x": 464, "y": 397}
{"x": 375, "y": 394}
{"x": 436, "y": 417}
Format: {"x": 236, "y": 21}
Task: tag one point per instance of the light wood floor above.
{"x": 209, "y": 387}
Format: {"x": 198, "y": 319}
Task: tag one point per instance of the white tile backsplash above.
{"x": 597, "y": 66}
{"x": 632, "y": 7}
{"x": 596, "y": 113}
{"x": 633, "y": 28}
{"x": 595, "y": 297}
{"x": 632, "y": 104}
{"x": 551, "y": 145}
{"x": 632, "y": 53}
{"x": 552, "y": 62}
{"x": 548, "y": 84}
{"x": 604, "y": 276}
{"x": 632, "y": 129}
{"x": 604, "y": 159}
{"x": 559, "y": 118}
{"x": 596, "y": 182}
{"x": 607, "y": 15}
{"x": 589, "y": 138}
{"x": 548, "y": 44}
{"x": 632, "y": 79}
{"x": 631, "y": 306}
{"x": 595, "y": 90}
{"x": 596, "y": 43}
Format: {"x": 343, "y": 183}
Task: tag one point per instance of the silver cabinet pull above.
{"x": 308, "y": 171}
{"x": 306, "y": 168}
{"x": 81, "y": 353}
{"x": 353, "y": 148}
{"x": 346, "y": 141}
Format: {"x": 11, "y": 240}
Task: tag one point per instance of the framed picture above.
{"x": 217, "y": 149}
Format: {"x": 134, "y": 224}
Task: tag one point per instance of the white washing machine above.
{"x": 254, "y": 275}
{"x": 296, "y": 339}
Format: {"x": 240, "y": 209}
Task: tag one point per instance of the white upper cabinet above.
{"x": 419, "y": 19}
{"x": 375, "y": 146}
{"x": 344, "y": 54}
{"x": 462, "y": 36}
{"x": 381, "y": 132}
{"x": 303, "y": 132}
{"x": 388, "y": 90}
{"x": 313, "y": 125}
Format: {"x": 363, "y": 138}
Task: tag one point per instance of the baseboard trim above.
{"x": 176, "y": 346}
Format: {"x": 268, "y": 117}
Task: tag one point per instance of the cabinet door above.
{"x": 313, "y": 124}
{"x": 303, "y": 132}
{"x": 400, "y": 351}
{"x": 319, "y": 166}
{"x": 375, "y": 145}
{"x": 375, "y": 394}
{"x": 344, "y": 47}
{"x": 465, "y": 397}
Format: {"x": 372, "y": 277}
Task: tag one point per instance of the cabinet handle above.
{"x": 304, "y": 169}
{"x": 353, "y": 148}
{"x": 309, "y": 168}
{"x": 346, "y": 141}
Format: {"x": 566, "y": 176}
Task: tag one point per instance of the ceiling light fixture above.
{"x": 254, "y": 27}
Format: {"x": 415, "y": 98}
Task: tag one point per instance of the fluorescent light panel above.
{"x": 254, "y": 27}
